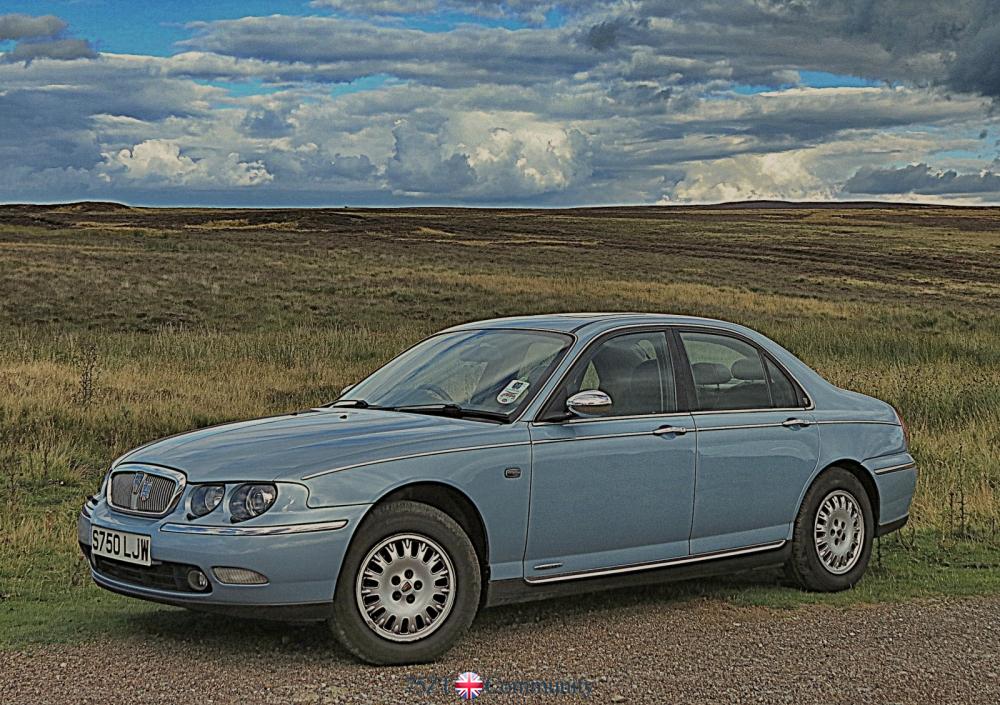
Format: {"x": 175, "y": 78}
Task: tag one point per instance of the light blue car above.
{"x": 509, "y": 460}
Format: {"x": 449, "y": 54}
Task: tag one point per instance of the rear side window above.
{"x": 731, "y": 374}
{"x": 728, "y": 373}
{"x": 783, "y": 391}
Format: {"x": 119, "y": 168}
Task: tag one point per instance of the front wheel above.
{"x": 409, "y": 585}
{"x": 832, "y": 536}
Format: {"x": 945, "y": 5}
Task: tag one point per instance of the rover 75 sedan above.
{"x": 508, "y": 460}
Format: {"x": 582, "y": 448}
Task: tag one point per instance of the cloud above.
{"x": 162, "y": 161}
{"x": 422, "y": 163}
{"x": 381, "y": 7}
{"x": 266, "y": 122}
{"x": 39, "y": 38}
{"x": 921, "y": 179}
{"x": 344, "y": 50}
{"x": 58, "y": 49}
{"x": 353, "y": 167}
{"x": 487, "y": 157}
{"x": 976, "y": 66}
{"x": 424, "y": 101}
{"x": 18, "y": 26}
{"x": 946, "y": 43}
{"x": 750, "y": 177}
{"x": 535, "y": 11}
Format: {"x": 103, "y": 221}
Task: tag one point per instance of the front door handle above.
{"x": 668, "y": 430}
{"x": 796, "y": 422}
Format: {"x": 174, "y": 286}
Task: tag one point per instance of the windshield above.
{"x": 491, "y": 371}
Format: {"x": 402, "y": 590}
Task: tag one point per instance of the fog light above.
{"x": 197, "y": 580}
{"x": 239, "y": 576}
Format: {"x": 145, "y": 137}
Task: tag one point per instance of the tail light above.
{"x": 906, "y": 431}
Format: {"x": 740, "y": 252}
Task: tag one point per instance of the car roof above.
{"x": 573, "y": 322}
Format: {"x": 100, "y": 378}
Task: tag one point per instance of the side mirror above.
{"x": 590, "y": 403}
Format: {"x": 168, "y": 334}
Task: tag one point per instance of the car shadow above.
{"x": 176, "y": 628}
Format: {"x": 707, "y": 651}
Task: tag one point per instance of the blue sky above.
{"x": 496, "y": 102}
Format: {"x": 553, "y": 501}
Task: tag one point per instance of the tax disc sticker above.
{"x": 513, "y": 391}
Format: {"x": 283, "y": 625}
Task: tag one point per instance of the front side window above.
{"x": 729, "y": 374}
{"x": 633, "y": 369}
{"x": 493, "y": 371}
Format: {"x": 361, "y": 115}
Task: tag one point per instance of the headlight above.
{"x": 206, "y": 498}
{"x": 249, "y": 501}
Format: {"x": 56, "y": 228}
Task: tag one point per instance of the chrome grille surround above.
{"x": 144, "y": 490}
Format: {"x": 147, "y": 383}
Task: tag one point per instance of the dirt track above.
{"x": 644, "y": 649}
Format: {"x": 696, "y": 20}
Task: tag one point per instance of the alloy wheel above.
{"x": 839, "y": 531}
{"x": 405, "y": 589}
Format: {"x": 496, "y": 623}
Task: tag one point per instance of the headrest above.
{"x": 748, "y": 369}
{"x": 710, "y": 373}
{"x": 647, "y": 371}
{"x": 615, "y": 355}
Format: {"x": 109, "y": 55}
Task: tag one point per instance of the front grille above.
{"x": 161, "y": 576}
{"x": 142, "y": 492}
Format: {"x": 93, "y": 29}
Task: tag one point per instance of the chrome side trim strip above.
{"x": 593, "y": 438}
{"x": 415, "y": 455}
{"x": 741, "y": 426}
{"x": 657, "y": 564}
{"x": 895, "y": 468}
{"x": 281, "y": 530}
{"x": 599, "y": 419}
{"x": 702, "y": 429}
{"x": 705, "y": 412}
{"x": 854, "y": 421}
{"x": 547, "y": 566}
{"x": 785, "y": 424}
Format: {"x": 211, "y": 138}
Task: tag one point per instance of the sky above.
{"x": 499, "y": 102}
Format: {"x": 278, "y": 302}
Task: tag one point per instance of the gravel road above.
{"x": 622, "y": 648}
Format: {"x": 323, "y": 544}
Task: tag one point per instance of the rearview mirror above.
{"x": 590, "y": 403}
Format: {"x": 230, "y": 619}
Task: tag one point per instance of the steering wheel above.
{"x": 437, "y": 391}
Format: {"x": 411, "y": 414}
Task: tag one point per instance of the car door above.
{"x": 616, "y": 490}
{"x": 757, "y": 444}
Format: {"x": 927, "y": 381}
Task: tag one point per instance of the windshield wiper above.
{"x": 356, "y": 404}
{"x": 452, "y": 410}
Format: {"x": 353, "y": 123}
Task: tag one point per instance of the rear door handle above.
{"x": 668, "y": 430}
{"x": 796, "y": 422}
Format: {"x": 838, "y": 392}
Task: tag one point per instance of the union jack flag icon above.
{"x": 469, "y": 685}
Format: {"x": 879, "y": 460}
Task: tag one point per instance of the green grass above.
{"x": 120, "y": 326}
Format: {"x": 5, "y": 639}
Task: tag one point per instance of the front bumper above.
{"x": 301, "y": 560}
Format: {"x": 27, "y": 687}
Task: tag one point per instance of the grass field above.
{"x": 121, "y": 325}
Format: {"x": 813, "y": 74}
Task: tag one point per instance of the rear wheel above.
{"x": 409, "y": 586}
{"x": 832, "y": 536}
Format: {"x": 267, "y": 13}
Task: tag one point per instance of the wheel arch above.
{"x": 453, "y": 502}
{"x": 864, "y": 476}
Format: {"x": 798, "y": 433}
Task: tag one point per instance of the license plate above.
{"x": 122, "y": 546}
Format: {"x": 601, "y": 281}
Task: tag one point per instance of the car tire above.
{"x": 828, "y": 554}
{"x": 401, "y": 539}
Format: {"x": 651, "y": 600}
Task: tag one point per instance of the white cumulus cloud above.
{"x": 159, "y": 160}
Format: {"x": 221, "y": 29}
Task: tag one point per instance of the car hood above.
{"x": 289, "y": 447}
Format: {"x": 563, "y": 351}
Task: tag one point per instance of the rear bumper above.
{"x": 888, "y": 528}
{"x": 300, "y": 561}
{"x": 896, "y": 480}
